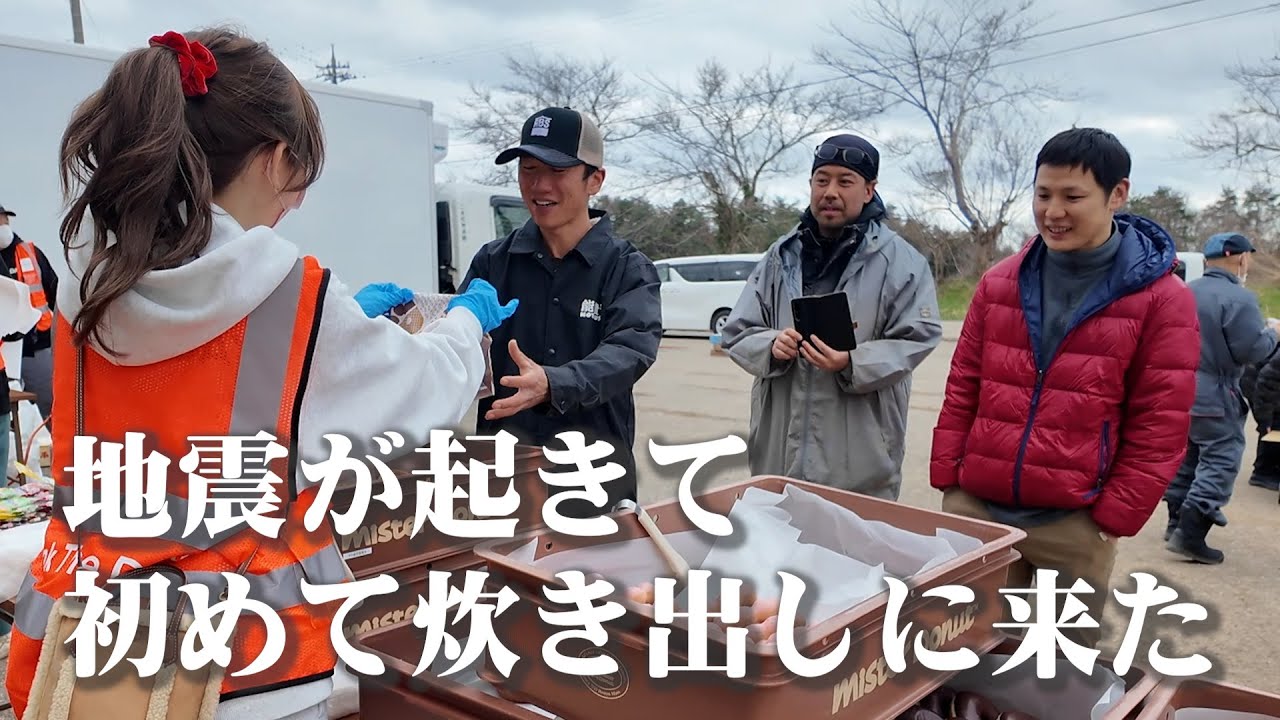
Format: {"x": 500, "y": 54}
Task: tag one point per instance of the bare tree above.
{"x": 728, "y": 134}
{"x": 537, "y": 81}
{"x": 1248, "y": 135}
{"x": 943, "y": 62}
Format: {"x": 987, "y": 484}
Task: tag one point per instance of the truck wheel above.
{"x": 718, "y": 320}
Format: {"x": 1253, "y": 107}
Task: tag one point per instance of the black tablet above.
{"x": 826, "y": 316}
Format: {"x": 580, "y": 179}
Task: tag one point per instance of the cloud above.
{"x": 1152, "y": 91}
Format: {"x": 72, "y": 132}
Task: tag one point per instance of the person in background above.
{"x": 186, "y": 315}
{"x": 5, "y": 419}
{"x": 26, "y": 263}
{"x": 818, "y": 414}
{"x": 5, "y": 434}
{"x": 1263, "y": 392}
{"x": 1233, "y": 335}
{"x": 591, "y": 320}
{"x": 1071, "y": 385}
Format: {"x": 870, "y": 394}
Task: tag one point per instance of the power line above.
{"x": 1046, "y": 33}
{"x": 1179, "y": 26}
{"x": 77, "y": 23}
{"x": 334, "y": 72}
{"x": 980, "y": 48}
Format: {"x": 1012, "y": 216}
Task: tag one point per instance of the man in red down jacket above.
{"x": 1068, "y": 403}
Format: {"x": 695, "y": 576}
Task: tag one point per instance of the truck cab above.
{"x": 467, "y": 218}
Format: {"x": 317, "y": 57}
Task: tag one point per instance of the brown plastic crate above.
{"x": 1173, "y": 695}
{"x": 398, "y": 692}
{"x": 1139, "y": 683}
{"x": 411, "y": 582}
{"x": 398, "y": 695}
{"x": 384, "y": 539}
{"x": 858, "y": 688}
{"x": 441, "y": 698}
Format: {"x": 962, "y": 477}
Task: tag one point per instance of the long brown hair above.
{"x": 144, "y": 154}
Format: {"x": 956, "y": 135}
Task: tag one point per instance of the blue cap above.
{"x": 1227, "y": 244}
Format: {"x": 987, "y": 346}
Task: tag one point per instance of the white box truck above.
{"x": 377, "y": 213}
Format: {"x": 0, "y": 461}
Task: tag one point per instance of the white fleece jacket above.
{"x": 368, "y": 375}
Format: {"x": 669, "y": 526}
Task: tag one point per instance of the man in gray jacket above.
{"x": 1233, "y": 335}
{"x": 817, "y": 414}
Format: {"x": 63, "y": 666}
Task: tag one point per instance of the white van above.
{"x": 698, "y": 292}
{"x": 1192, "y": 264}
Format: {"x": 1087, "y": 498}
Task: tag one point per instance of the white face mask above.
{"x": 6, "y": 236}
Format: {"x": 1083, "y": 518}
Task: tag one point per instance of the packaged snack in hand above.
{"x": 423, "y": 313}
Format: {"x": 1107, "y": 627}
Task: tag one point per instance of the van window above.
{"x": 736, "y": 269}
{"x": 716, "y": 271}
{"x": 699, "y": 272}
{"x": 664, "y": 273}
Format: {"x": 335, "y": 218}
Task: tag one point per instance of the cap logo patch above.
{"x": 541, "y": 126}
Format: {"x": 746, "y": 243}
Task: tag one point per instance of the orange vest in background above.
{"x": 24, "y": 255}
{"x": 249, "y": 379}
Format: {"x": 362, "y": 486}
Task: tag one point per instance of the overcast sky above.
{"x": 1149, "y": 90}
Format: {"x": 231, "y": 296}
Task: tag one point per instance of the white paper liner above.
{"x": 842, "y": 557}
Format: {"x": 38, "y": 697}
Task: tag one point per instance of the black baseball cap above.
{"x": 10, "y": 213}
{"x": 560, "y": 137}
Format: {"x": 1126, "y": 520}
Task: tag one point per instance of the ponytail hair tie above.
{"x": 194, "y": 60}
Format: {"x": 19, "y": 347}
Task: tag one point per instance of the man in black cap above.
{"x": 24, "y": 262}
{"x": 590, "y": 316}
{"x": 836, "y": 417}
{"x": 1233, "y": 334}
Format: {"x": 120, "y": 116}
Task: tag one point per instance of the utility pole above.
{"x": 333, "y": 72}
{"x": 77, "y": 25}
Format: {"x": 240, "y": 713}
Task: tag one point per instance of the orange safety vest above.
{"x": 250, "y": 378}
{"x": 24, "y": 255}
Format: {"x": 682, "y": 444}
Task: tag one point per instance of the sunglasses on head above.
{"x": 853, "y": 156}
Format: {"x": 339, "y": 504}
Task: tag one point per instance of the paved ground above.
{"x": 692, "y": 395}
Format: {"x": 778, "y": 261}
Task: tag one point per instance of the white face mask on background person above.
{"x": 6, "y": 236}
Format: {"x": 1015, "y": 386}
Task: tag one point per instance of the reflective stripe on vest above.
{"x": 24, "y": 255}
{"x": 260, "y": 383}
{"x": 249, "y": 379}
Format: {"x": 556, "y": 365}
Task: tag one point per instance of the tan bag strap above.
{"x": 173, "y": 633}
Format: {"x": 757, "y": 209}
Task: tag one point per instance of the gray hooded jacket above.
{"x": 845, "y": 430}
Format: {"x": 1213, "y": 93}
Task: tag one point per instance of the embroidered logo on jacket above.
{"x": 590, "y": 309}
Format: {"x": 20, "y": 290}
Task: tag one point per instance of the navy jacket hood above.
{"x": 1146, "y": 253}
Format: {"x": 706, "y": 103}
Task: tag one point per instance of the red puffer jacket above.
{"x": 1103, "y": 421}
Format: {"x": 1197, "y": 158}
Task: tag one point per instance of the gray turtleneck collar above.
{"x": 1068, "y": 277}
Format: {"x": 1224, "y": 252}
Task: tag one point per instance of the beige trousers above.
{"x": 1072, "y": 545}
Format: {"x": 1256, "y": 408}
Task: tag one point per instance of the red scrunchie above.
{"x": 195, "y": 61}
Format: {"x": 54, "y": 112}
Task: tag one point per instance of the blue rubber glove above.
{"x": 377, "y": 298}
{"x": 482, "y": 300}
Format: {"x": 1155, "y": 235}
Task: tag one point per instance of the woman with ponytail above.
{"x": 188, "y": 317}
